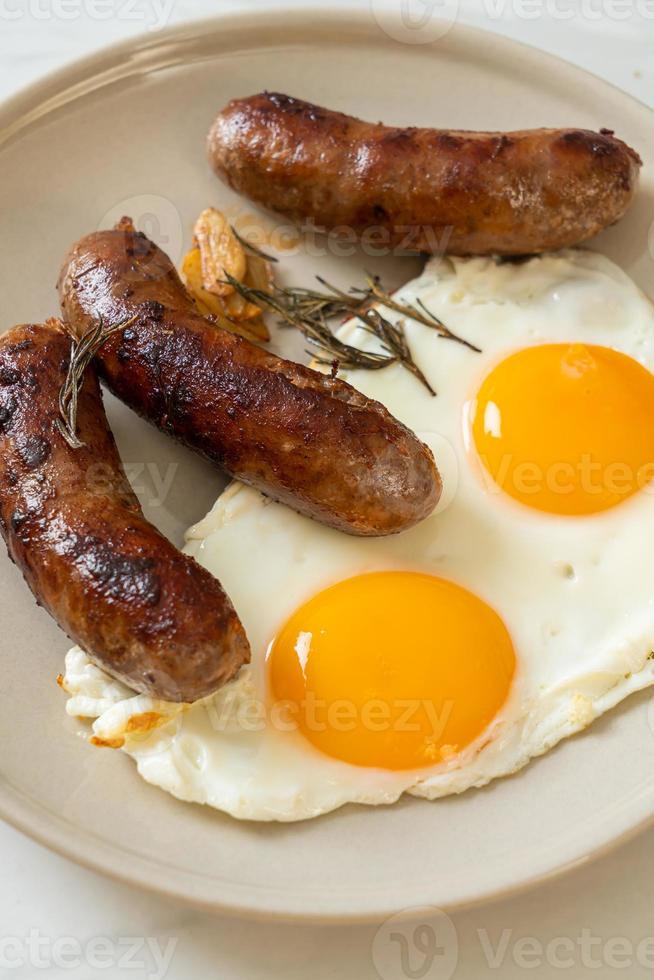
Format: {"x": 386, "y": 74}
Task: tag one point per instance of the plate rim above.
{"x": 61, "y": 87}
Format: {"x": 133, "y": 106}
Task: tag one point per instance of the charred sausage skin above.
{"x": 431, "y": 190}
{"x": 305, "y": 439}
{"x": 144, "y": 612}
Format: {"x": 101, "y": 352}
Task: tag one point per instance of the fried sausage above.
{"x": 430, "y": 190}
{"x": 305, "y": 439}
{"x": 144, "y": 612}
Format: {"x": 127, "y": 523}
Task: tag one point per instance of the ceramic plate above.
{"x": 123, "y": 133}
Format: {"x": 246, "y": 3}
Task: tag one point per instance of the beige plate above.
{"x": 124, "y": 132}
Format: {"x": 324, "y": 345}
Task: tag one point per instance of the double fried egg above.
{"x": 447, "y": 656}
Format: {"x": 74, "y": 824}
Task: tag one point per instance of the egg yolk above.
{"x": 394, "y": 670}
{"x": 567, "y": 428}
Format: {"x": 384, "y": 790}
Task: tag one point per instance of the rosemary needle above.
{"x": 422, "y": 315}
{"x": 81, "y": 354}
{"x": 252, "y": 248}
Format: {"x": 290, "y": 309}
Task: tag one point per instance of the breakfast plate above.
{"x": 123, "y": 133}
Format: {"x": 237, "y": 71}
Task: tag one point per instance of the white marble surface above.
{"x": 57, "y": 920}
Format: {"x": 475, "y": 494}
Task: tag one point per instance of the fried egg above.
{"x": 439, "y": 659}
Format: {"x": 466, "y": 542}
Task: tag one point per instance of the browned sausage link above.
{"x": 143, "y": 611}
{"x": 432, "y": 190}
{"x": 310, "y": 441}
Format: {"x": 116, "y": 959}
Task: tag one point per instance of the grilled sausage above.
{"x": 143, "y": 611}
{"x": 308, "y": 440}
{"x": 429, "y": 190}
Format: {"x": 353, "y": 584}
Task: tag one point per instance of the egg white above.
{"x": 575, "y": 594}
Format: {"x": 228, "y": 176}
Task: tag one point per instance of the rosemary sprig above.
{"x": 393, "y": 338}
{"x": 308, "y": 310}
{"x": 336, "y": 302}
{"x": 82, "y": 353}
{"x": 253, "y": 248}
{"x": 315, "y": 329}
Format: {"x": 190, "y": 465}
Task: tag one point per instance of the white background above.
{"x": 589, "y": 923}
